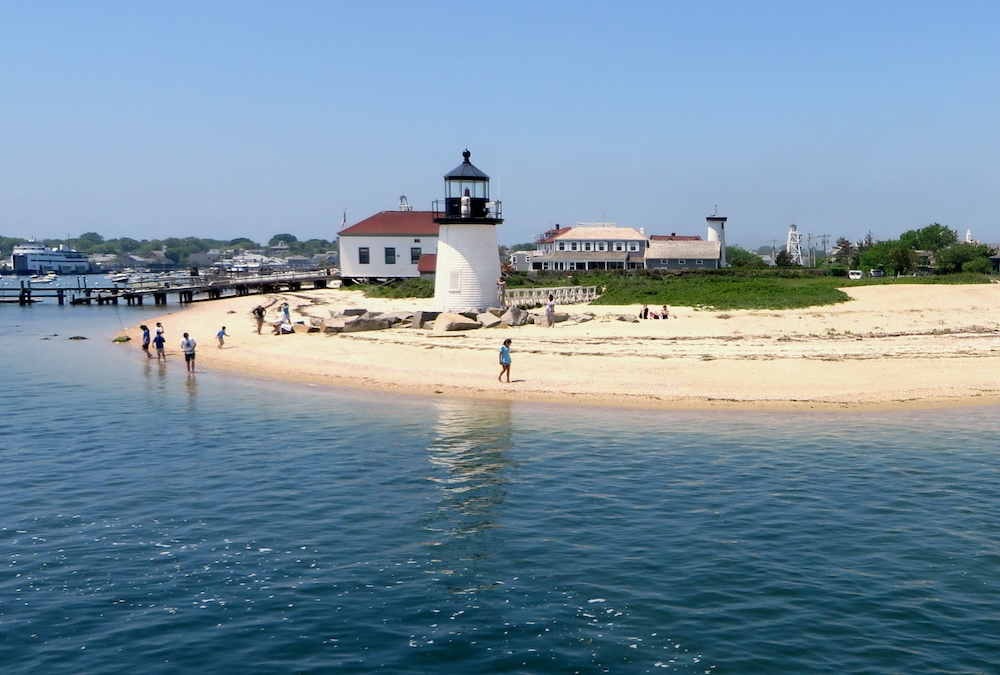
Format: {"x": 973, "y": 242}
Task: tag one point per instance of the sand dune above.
{"x": 890, "y": 346}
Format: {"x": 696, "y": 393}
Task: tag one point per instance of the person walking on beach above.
{"x": 187, "y": 346}
{"x": 145, "y": 340}
{"x": 159, "y": 342}
{"x": 504, "y": 361}
{"x": 258, "y": 314}
{"x": 222, "y": 335}
{"x": 550, "y": 311}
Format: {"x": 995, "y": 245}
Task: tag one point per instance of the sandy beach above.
{"x": 889, "y": 347}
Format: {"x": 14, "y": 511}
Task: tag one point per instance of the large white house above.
{"x": 387, "y": 245}
{"x": 605, "y": 246}
{"x": 599, "y": 246}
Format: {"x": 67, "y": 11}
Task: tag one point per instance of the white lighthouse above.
{"x": 468, "y": 261}
{"x": 717, "y": 232}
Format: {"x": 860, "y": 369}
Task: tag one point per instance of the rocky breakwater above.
{"x": 356, "y": 320}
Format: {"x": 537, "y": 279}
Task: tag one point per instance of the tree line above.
{"x": 176, "y": 249}
{"x": 933, "y": 247}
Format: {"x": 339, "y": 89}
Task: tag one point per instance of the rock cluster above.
{"x": 355, "y": 320}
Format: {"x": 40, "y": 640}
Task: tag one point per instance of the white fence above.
{"x": 563, "y": 295}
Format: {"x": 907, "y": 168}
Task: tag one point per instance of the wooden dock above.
{"x": 186, "y": 289}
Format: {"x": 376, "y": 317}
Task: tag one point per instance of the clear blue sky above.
{"x": 224, "y": 119}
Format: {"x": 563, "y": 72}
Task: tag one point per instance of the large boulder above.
{"x": 424, "y": 319}
{"x": 488, "y": 320}
{"x": 362, "y": 324}
{"x": 333, "y": 325}
{"x": 398, "y": 317}
{"x": 515, "y": 316}
{"x": 450, "y": 321}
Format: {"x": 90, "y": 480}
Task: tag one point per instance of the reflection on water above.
{"x": 470, "y": 450}
{"x": 470, "y": 464}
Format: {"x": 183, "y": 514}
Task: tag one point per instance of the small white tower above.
{"x": 794, "y": 245}
{"x": 717, "y": 232}
{"x": 468, "y": 260}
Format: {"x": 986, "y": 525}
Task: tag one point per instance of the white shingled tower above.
{"x": 468, "y": 260}
{"x": 717, "y": 232}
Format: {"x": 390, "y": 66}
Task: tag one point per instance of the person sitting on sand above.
{"x": 665, "y": 314}
{"x": 282, "y": 328}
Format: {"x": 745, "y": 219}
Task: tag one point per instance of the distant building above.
{"x": 521, "y": 260}
{"x": 691, "y": 254}
{"x": 606, "y": 246}
{"x": 299, "y": 262}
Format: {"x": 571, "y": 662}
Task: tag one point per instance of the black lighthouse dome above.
{"x": 467, "y": 196}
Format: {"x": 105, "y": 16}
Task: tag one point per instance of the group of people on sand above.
{"x": 644, "y": 313}
{"x": 159, "y": 342}
{"x": 280, "y": 327}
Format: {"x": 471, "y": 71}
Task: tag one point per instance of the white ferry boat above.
{"x": 34, "y": 258}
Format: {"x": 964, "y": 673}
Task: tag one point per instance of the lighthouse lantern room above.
{"x": 468, "y": 259}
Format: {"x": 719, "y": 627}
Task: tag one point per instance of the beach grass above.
{"x": 720, "y": 290}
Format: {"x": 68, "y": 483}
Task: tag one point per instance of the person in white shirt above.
{"x": 187, "y": 346}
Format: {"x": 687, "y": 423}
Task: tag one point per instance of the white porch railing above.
{"x": 563, "y": 295}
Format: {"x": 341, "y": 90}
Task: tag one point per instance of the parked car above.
{"x": 854, "y": 274}
{"x": 876, "y": 274}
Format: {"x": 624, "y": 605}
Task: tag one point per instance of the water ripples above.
{"x": 159, "y": 523}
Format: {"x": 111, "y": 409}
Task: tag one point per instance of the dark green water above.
{"x": 155, "y": 522}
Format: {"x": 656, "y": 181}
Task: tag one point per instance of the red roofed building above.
{"x": 388, "y": 245}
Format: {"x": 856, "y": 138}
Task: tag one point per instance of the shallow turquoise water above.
{"x": 155, "y": 522}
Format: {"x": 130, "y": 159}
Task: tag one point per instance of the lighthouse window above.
{"x": 415, "y": 254}
{"x": 390, "y": 255}
{"x": 363, "y": 255}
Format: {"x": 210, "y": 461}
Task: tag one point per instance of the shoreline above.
{"x": 889, "y": 348}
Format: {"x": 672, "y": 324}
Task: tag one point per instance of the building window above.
{"x": 633, "y": 246}
{"x": 415, "y": 254}
{"x": 588, "y": 246}
{"x": 561, "y": 246}
{"x": 390, "y": 255}
{"x": 619, "y": 245}
{"x": 602, "y": 246}
{"x": 682, "y": 261}
{"x": 574, "y": 246}
{"x": 416, "y": 241}
{"x": 699, "y": 262}
{"x": 363, "y": 255}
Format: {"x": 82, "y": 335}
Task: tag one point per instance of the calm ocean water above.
{"x": 158, "y": 523}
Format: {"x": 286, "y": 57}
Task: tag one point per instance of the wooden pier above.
{"x": 187, "y": 289}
